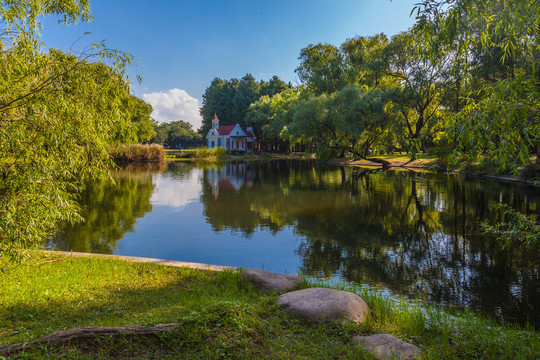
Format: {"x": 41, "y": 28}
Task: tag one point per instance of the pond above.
{"x": 398, "y": 232}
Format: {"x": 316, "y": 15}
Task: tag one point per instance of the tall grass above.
{"x": 137, "y": 153}
{"x": 205, "y": 153}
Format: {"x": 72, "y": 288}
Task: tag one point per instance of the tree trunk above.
{"x": 86, "y": 335}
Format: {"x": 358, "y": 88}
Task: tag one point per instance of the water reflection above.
{"x": 408, "y": 233}
{"x": 411, "y": 233}
{"x": 110, "y": 209}
{"x": 168, "y": 193}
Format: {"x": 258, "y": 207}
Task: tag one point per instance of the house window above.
{"x": 219, "y": 142}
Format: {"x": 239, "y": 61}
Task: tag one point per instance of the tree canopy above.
{"x": 58, "y": 115}
{"x": 230, "y": 99}
{"x": 176, "y": 133}
{"x": 495, "y": 49}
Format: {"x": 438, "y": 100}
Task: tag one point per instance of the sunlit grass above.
{"x": 221, "y": 316}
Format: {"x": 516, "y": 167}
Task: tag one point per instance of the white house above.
{"x": 230, "y": 137}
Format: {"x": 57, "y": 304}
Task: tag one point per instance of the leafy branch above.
{"x": 516, "y": 228}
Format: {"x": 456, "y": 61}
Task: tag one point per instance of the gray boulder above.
{"x": 323, "y": 305}
{"x": 269, "y": 281}
{"x": 386, "y": 346}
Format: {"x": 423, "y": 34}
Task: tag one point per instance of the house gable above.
{"x": 237, "y": 131}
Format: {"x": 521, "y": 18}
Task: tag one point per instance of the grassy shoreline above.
{"x": 221, "y": 316}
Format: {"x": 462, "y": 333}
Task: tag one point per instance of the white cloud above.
{"x": 174, "y": 105}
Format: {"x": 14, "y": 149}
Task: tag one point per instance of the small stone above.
{"x": 386, "y": 346}
{"x": 270, "y": 281}
{"x": 323, "y": 305}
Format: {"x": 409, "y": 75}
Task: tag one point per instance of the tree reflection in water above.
{"x": 415, "y": 234}
{"x": 110, "y": 209}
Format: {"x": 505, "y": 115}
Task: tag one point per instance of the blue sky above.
{"x": 181, "y": 46}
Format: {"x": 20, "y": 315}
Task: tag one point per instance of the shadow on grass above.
{"x": 221, "y": 316}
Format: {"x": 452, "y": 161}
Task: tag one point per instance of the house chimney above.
{"x": 215, "y": 121}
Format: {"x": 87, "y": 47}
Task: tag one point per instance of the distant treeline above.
{"x": 170, "y": 135}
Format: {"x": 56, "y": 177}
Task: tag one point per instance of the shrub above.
{"x": 185, "y": 155}
{"x": 530, "y": 172}
{"x": 205, "y": 153}
{"x": 137, "y": 153}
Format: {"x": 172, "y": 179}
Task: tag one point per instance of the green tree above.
{"x": 498, "y": 43}
{"x": 140, "y": 119}
{"x": 422, "y": 92}
{"x": 274, "y": 86}
{"x": 58, "y": 114}
{"x": 352, "y": 119}
{"x": 321, "y": 68}
{"x": 269, "y": 116}
{"x": 176, "y": 132}
{"x": 365, "y": 60}
{"x": 231, "y": 99}
{"x": 181, "y": 132}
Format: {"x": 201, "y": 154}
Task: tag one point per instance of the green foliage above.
{"x": 185, "y": 154}
{"x": 351, "y": 119}
{"x": 231, "y": 99}
{"x": 140, "y": 120}
{"x": 137, "y": 153}
{"x": 58, "y": 115}
{"x": 416, "y": 89}
{"x": 321, "y": 68}
{"x": 21, "y": 19}
{"x": 270, "y": 114}
{"x": 503, "y": 124}
{"x": 420, "y": 93}
{"x": 516, "y": 228}
{"x": 495, "y": 51}
{"x": 176, "y": 133}
{"x": 111, "y": 209}
{"x": 458, "y": 26}
{"x": 205, "y": 153}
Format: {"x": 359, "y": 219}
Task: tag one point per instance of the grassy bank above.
{"x": 221, "y": 316}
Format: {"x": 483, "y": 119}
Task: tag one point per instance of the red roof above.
{"x": 225, "y": 130}
{"x": 215, "y": 117}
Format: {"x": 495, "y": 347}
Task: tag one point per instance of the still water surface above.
{"x": 398, "y": 232}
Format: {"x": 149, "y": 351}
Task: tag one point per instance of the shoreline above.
{"x": 138, "y": 259}
{"x": 214, "y": 313}
{"x": 394, "y": 163}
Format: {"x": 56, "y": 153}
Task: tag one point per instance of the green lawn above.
{"x": 221, "y": 316}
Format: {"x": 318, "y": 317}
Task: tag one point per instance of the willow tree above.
{"x": 350, "y": 120}
{"x": 422, "y": 92}
{"x": 498, "y": 119}
{"x": 58, "y": 114}
{"x": 270, "y": 115}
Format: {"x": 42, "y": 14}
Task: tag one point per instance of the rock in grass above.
{"x": 324, "y": 305}
{"x": 270, "y": 281}
{"x": 386, "y": 346}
